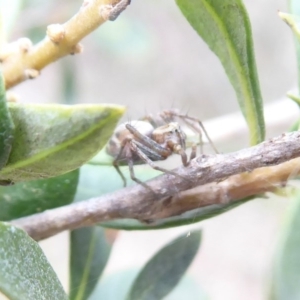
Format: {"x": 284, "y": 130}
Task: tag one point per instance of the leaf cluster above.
{"x": 50, "y": 156}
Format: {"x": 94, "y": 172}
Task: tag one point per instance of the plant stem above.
{"x": 61, "y": 40}
{"x": 250, "y": 171}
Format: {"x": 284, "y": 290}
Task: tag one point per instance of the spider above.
{"x": 153, "y": 139}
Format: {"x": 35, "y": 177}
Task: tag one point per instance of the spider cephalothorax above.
{"x": 152, "y": 139}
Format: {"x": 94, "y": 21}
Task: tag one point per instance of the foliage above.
{"x": 164, "y": 270}
{"x": 25, "y": 272}
{"x": 225, "y": 27}
{"x": 286, "y": 266}
{"x": 49, "y": 152}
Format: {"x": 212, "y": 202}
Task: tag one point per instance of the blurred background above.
{"x": 151, "y": 59}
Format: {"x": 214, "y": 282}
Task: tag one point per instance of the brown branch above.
{"x": 23, "y": 61}
{"x": 139, "y": 203}
{"x": 234, "y": 188}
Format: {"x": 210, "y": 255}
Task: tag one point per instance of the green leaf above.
{"x": 286, "y": 273}
{"x": 116, "y": 285}
{"x": 90, "y": 251}
{"x": 293, "y": 97}
{"x": 188, "y": 288}
{"x": 294, "y": 9}
{"x": 224, "y": 25}
{"x": 163, "y": 272}
{"x": 6, "y": 127}
{"x": 25, "y": 273}
{"x": 51, "y": 140}
{"x": 26, "y": 198}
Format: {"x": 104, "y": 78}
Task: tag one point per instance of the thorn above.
{"x": 21, "y": 45}
{"x": 24, "y": 44}
{"x": 56, "y": 33}
{"x": 78, "y": 48}
{"x": 31, "y": 73}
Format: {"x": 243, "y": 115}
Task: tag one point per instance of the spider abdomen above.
{"x": 122, "y": 135}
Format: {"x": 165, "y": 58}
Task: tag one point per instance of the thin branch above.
{"x": 234, "y": 188}
{"x": 140, "y": 203}
{"x": 23, "y": 61}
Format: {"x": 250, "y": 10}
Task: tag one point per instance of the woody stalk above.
{"x": 21, "y": 60}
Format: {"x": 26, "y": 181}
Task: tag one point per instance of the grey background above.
{"x": 151, "y": 59}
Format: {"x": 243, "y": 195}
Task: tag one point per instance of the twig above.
{"x": 234, "y": 188}
{"x": 23, "y": 61}
{"x": 139, "y": 203}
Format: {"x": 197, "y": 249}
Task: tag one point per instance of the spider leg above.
{"x": 148, "y": 142}
{"x": 149, "y": 152}
{"x": 132, "y": 175}
{"x": 204, "y": 130}
{"x": 186, "y": 119}
{"x": 183, "y": 157}
{"x": 148, "y": 161}
{"x": 130, "y": 161}
{"x": 154, "y": 121}
{"x": 193, "y": 152}
{"x": 168, "y": 115}
{"x": 157, "y": 156}
{"x": 116, "y": 163}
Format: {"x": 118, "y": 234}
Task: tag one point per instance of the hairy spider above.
{"x": 153, "y": 139}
